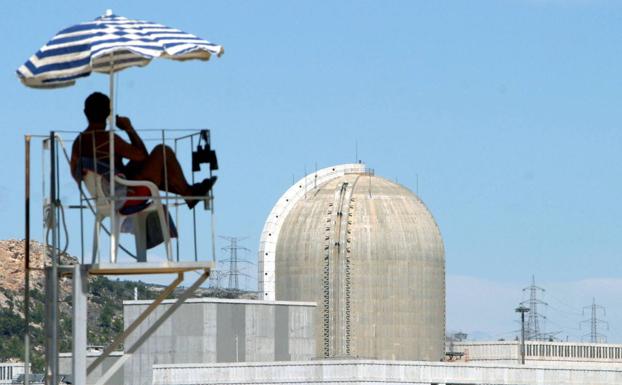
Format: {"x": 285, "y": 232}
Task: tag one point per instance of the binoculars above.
{"x": 204, "y": 153}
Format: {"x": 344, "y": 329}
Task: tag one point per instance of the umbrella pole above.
{"x": 113, "y": 221}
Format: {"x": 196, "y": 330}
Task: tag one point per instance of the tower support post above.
{"x": 79, "y": 322}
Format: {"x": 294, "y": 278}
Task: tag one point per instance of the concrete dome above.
{"x": 369, "y": 253}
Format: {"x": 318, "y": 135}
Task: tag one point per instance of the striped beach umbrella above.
{"x": 107, "y": 45}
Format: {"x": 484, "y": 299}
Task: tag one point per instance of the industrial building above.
{"x": 369, "y": 253}
{"x": 352, "y": 275}
{"x": 211, "y": 330}
{"x": 216, "y": 341}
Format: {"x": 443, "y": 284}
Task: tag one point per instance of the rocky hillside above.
{"x": 105, "y": 303}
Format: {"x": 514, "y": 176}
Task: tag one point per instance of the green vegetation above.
{"x": 105, "y": 318}
{"x": 11, "y": 328}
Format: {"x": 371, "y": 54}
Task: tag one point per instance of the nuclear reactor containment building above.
{"x": 369, "y": 253}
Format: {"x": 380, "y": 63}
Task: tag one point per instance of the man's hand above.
{"x": 124, "y": 123}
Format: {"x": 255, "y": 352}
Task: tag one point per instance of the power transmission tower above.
{"x": 594, "y": 321}
{"x": 234, "y": 260}
{"x": 215, "y": 277}
{"x": 535, "y": 321}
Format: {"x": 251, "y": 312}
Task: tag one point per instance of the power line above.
{"x": 564, "y": 312}
{"x": 574, "y": 310}
{"x": 564, "y": 326}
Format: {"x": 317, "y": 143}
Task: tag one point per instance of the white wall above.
{"x": 354, "y": 372}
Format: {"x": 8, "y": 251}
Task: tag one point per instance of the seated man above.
{"x": 93, "y": 144}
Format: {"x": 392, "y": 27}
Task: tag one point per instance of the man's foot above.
{"x": 201, "y": 189}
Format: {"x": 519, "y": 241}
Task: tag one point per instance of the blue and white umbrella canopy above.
{"x": 107, "y": 45}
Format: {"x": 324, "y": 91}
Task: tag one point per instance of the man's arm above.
{"x": 124, "y": 124}
{"x": 75, "y": 154}
{"x": 129, "y": 151}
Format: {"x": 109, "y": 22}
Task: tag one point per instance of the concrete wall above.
{"x": 209, "y": 330}
{"x": 353, "y": 372}
{"x": 484, "y": 351}
{"x": 539, "y": 351}
{"x": 64, "y": 363}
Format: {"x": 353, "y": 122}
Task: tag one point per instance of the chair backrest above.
{"x": 93, "y": 183}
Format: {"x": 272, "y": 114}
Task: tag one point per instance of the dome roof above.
{"x": 392, "y": 220}
{"x": 369, "y": 253}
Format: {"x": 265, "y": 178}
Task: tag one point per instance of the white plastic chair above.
{"x": 94, "y": 185}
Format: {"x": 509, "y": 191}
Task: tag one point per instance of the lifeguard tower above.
{"x": 118, "y": 211}
{"x": 108, "y": 44}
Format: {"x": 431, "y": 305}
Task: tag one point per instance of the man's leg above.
{"x": 162, "y": 159}
{"x": 153, "y": 169}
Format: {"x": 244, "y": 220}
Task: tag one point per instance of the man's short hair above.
{"x": 97, "y": 107}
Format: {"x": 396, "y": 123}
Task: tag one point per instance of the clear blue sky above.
{"x": 507, "y": 111}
